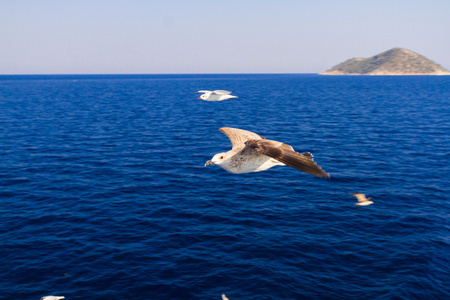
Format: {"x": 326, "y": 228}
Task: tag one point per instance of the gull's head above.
{"x": 217, "y": 159}
{"x": 203, "y": 96}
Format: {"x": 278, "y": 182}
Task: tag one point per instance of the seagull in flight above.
{"x": 251, "y": 152}
{"x": 217, "y": 95}
{"x": 52, "y": 298}
{"x": 362, "y": 200}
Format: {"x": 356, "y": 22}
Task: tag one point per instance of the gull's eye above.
{"x": 221, "y": 157}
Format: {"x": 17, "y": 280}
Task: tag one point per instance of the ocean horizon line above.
{"x": 144, "y": 74}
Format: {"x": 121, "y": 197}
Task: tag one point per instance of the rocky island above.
{"x": 397, "y": 61}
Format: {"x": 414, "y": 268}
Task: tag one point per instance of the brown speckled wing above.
{"x": 286, "y": 154}
{"x": 239, "y": 136}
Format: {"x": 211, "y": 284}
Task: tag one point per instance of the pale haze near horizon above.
{"x": 244, "y": 36}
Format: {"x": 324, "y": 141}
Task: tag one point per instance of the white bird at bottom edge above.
{"x": 362, "y": 200}
{"x": 224, "y": 297}
{"x": 52, "y": 297}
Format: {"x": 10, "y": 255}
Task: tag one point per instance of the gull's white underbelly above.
{"x": 248, "y": 162}
{"x": 214, "y": 97}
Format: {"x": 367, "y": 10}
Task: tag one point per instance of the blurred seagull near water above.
{"x": 217, "y": 95}
{"x": 362, "y": 200}
{"x": 52, "y": 298}
{"x": 251, "y": 152}
{"x": 224, "y": 297}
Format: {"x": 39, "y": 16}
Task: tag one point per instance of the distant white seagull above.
{"x": 362, "y": 200}
{"x": 52, "y": 298}
{"x": 251, "y": 152}
{"x": 224, "y": 297}
{"x": 217, "y": 95}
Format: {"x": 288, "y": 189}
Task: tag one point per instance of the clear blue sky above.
{"x": 208, "y": 36}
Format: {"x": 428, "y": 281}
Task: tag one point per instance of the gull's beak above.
{"x": 209, "y": 162}
{"x": 199, "y": 98}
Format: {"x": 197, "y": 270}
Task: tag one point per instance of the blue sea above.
{"x": 104, "y": 193}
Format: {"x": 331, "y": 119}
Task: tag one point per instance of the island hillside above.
{"x": 397, "y": 61}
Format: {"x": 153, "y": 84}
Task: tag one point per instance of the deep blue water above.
{"x": 104, "y": 194}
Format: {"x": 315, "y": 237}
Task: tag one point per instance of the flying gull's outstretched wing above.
{"x": 239, "y": 136}
{"x": 286, "y": 154}
{"x": 221, "y": 92}
{"x": 361, "y": 197}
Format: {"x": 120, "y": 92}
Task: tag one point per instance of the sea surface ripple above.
{"x": 104, "y": 193}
